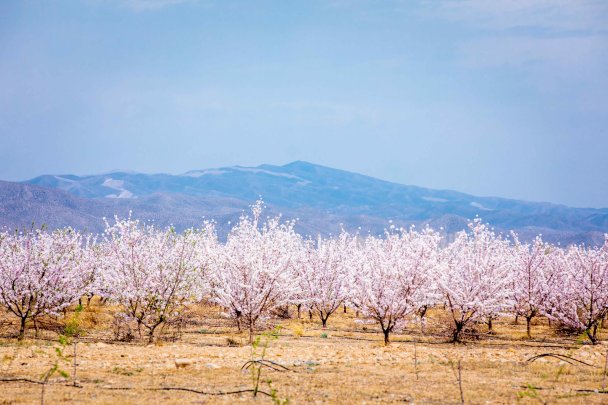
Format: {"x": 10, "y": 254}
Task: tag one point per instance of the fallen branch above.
{"x": 266, "y": 363}
{"x": 187, "y": 390}
{"x": 27, "y": 380}
{"x": 562, "y": 357}
{"x": 593, "y": 391}
{"x": 30, "y": 381}
{"x": 531, "y": 387}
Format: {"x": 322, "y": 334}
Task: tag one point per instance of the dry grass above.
{"x": 349, "y": 366}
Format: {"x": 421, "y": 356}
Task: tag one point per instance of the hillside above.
{"x": 321, "y": 197}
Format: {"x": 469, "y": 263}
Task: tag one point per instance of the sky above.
{"x": 492, "y": 98}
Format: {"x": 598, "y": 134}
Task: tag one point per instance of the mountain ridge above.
{"x": 321, "y": 197}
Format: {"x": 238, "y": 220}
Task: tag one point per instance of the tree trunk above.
{"x": 516, "y": 322}
{"x": 250, "y": 333}
{"x": 529, "y": 327}
{"x": 386, "y": 336}
{"x": 592, "y": 333}
{"x": 324, "y": 321}
{"x": 310, "y": 315}
{"x": 344, "y": 308}
{"x": 299, "y": 306}
{"x": 151, "y": 335}
{"x": 422, "y": 313}
{"x": 457, "y": 332}
{"x": 490, "y": 325}
{"x": 22, "y": 329}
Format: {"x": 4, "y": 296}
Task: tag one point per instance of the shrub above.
{"x": 298, "y": 330}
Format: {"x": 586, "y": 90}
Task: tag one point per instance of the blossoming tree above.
{"x": 323, "y": 275}
{"x": 41, "y": 273}
{"x": 151, "y": 273}
{"x": 534, "y": 278}
{"x": 475, "y": 277}
{"x": 254, "y": 272}
{"x": 580, "y": 300}
{"x": 392, "y": 276}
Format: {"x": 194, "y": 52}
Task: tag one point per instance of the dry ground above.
{"x": 349, "y": 365}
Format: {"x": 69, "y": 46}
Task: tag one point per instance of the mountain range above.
{"x": 321, "y": 199}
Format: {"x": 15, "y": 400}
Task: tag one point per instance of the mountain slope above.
{"x": 321, "y": 197}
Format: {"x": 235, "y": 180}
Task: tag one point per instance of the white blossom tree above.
{"x": 534, "y": 278}
{"x": 393, "y": 275}
{"x": 475, "y": 280}
{"x": 254, "y": 273}
{"x": 323, "y": 275}
{"x": 580, "y": 299}
{"x": 151, "y": 273}
{"x": 41, "y": 273}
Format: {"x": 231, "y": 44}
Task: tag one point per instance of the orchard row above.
{"x": 152, "y": 274}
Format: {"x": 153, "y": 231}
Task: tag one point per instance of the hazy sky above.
{"x": 506, "y": 98}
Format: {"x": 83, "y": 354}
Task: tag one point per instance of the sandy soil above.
{"x": 349, "y": 365}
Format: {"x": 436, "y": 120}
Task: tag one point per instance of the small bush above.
{"x": 173, "y": 329}
{"x": 232, "y": 342}
{"x": 298, "y": 330}
{"x": 73, "y": 327}
{"x": 122, "y": 328}
{"x": 126, "y": 371}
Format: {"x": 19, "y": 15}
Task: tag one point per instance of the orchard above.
{"x": 265, "y": 267}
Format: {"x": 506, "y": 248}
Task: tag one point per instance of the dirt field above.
{"x": 345, "y": 363}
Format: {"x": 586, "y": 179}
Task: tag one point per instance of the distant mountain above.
{"x": 321, "y": 197}
{"x": 24, "y": 205}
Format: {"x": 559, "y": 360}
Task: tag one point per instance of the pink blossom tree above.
{"x": 534, "y": 278}
{"x": 41, "y": 273}
{"x": 151, "y": 273}
{"x": 475, "y": 280}
{"x": 254, "y": 272}
{"x": 393, "y": 276}
{"x": 580, "y": 299}
{"x": 99, "y": 286}
{"x": 323, "y": 275}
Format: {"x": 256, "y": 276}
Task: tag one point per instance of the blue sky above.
{"x": 506, "y": 98}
